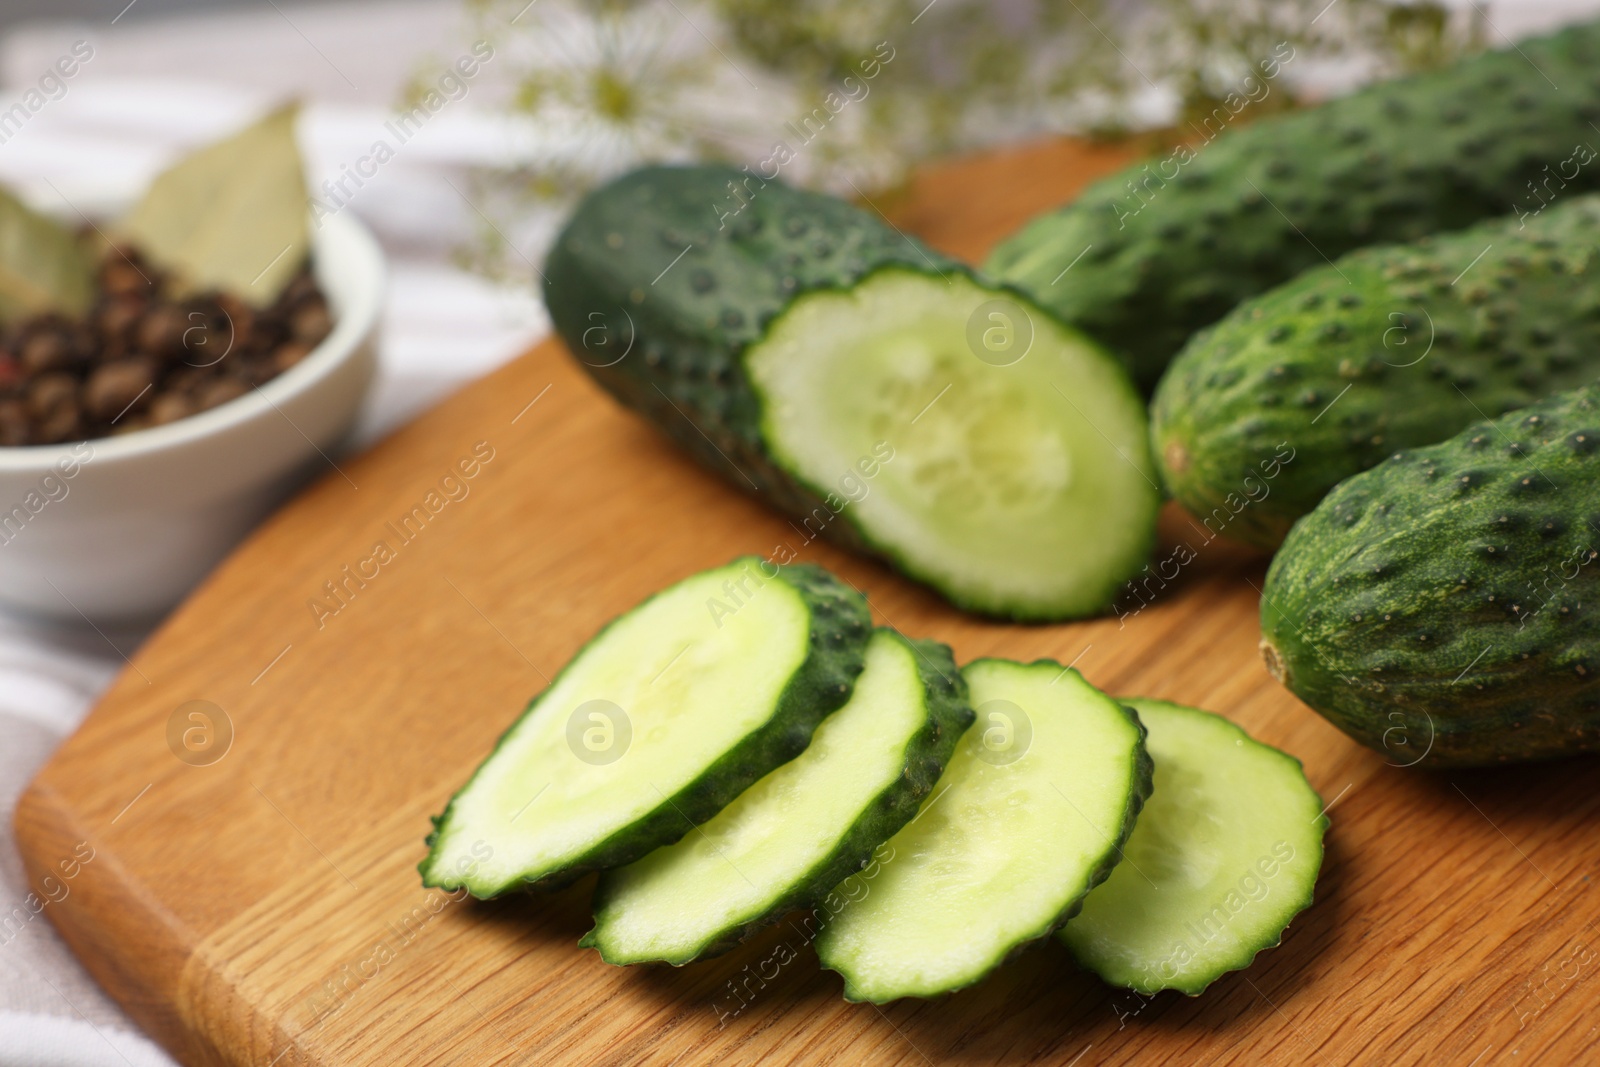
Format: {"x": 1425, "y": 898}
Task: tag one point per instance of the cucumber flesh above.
{"x": 1019, "y": 485}
{"x": 1225, "y": 854}
{"x": 665, "y": 716}
{"x": 796, "y": 833}
{"x": 1029, "y": 816}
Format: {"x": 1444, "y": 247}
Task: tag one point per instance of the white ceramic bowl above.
{"x": 120, "y": 528}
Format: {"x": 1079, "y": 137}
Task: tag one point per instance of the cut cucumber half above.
{"x": 880, "y": 393}
{"x": 1225, "y": 854}
{"x": 1020, "y": 482}
{"x": 1030, "y": 815}
{"x": 670, "y": 712}
{"x": 803, "y": 828}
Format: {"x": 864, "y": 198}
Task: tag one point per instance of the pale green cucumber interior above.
{"x": 1000, "y": 849}
{"x": 730, "y": 870}
{"x": 1025, "y": 489}
{"x": 1224, "y": 854}
{"x": 692, "y": 684}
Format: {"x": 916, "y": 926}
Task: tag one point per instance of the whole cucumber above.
{"x": 1441, "y": 607}
{"x": 1169, "y": 246}
{"x": 1387, "y": 348}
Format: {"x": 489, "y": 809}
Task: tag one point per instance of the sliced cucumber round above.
{"x": 1225, "y": 854}
{"x": 1030, "y": 815}
{"x": 1021, "y": 482}
{"x": 802, "y": 829}
{"x": 670, "y": 712}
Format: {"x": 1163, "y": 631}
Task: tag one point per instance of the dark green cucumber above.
{"x": 665, "y": 716}
{"x": 1441, "y": 607}
{"x": 802, "y": 829}
{"x": 1225, "y": 853}
{"x": 880, "y": 393}
{"x": 1388, "y": 348}
{"x": 1030, "y": 815}
{"x": 1169, "y": 246}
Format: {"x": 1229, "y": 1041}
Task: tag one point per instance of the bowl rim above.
{"x": 361, "y": 293}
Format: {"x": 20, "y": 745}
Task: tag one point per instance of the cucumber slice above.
{"x": 1021, "y": 486}
{"x": 666, "y": 715}
{"x": 1225, "y": 854}
{"x": 1029, "y": 816}
{"x": 803, "y": 828}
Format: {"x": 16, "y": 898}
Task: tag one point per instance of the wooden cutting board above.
{"x": 263, "y": 907}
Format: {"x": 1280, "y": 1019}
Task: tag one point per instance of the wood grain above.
{"x": 264, "y": 909}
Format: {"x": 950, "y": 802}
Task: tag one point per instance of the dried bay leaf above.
{"x": 43, "y": 265}
{"x": 232, "y": 215}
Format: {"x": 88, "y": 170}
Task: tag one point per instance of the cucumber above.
{"x": 802, "y": 829}
{"x": 881, "y": 394}
{"x": 1391, "y": 347}
{"x": 1441, "y": 607}
{"x": 1149, "y": 255}
{"x": 666, "y": 715}
{"x": 1225, "y": 853}
{"x": 1030, "y": 815}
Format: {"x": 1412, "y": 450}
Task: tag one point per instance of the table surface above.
{"x": 265, "y": 908}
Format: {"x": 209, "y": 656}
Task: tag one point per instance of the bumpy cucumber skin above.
{"x": 671, "y": 345}
{"x": 1393, "y": 162}
{"x": 841, "y": 625}
{"x": 1247, "y": 955}
{"x": 1141, "y": 774}
{"x": 1440, "y": 607}
{"x": 1349, "y": 362}
{"x": 926, "y": 754}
